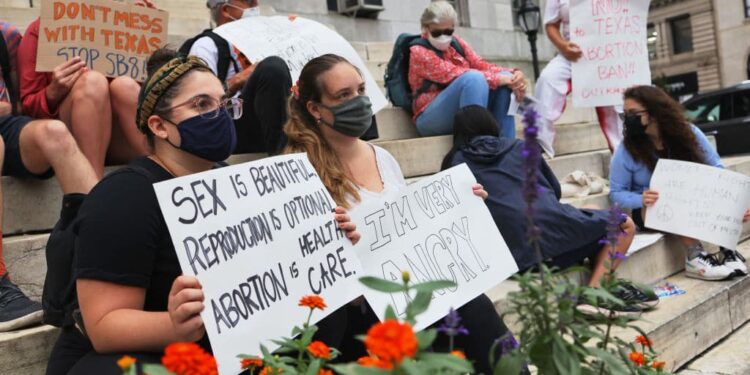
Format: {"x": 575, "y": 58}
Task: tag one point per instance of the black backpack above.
{"x": 225, "y": 54}
{"x": 397, "y": 72}
{"x": 5, "y": 67}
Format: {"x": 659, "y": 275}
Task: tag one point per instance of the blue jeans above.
{"x": 470, "y": 88}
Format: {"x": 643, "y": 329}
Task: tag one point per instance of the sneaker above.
{"x": 16, "y": 310}
{"x": 601, "y": 307}
{"x": 631, "y": 294}
{"x": 707, "y": 267}
{"x": 735, "y": 261}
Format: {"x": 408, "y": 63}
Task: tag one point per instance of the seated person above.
{"x": 31, "y": 149}
{"x": 441, "y": 85}
{"x": 568, "y": 234}
{"x": 655, "y": 127}
{"x": 139, "y": 303}
{"x": 99, "y": 112}
{"x": 263, "y": 87}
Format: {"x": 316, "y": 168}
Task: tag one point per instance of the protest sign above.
{"x": 297, "y": 42}
{"x": 699, "y": 201}
{"x": 436, "y": 229}
{"x": 111, "y": 37}
{"x": 612, "y": 37}
{"x": 258, "y": 236}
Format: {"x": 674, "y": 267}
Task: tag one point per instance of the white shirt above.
{"x": 206, "y": 49}
{"x": 557, "y": 11}
{"x": 390, "y": 173}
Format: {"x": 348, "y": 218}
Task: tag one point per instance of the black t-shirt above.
{"x": 123, "y": 238}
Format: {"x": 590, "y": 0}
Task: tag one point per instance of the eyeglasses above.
{"x": 208, "y": 107}
{"x": 438, "y": 33}
{"x": 631, "y": 113}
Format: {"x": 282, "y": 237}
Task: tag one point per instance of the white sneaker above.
{"x": 734, "y": 261}
{"x": 707, "y": 267}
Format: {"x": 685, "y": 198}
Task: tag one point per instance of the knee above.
{"x": 628, "y": 227}
{"x": 124, "y": 87}
{"x": 472, "y": 78}
{"x": 91, "y": 85}
{"x": 55, "y": 139}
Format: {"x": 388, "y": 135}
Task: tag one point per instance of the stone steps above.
{"x": 728, "y": 357}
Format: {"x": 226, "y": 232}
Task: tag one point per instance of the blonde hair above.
{"x": 438, "y": 11}
{"x": 304, "y": 133}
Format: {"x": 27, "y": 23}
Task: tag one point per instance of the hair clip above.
{"x": 295, "y": 90}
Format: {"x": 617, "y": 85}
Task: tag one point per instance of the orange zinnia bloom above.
{"x": 391, "y": 341}
{"x": 125, "y": 362}
{"x": 251, "y": 363}
{"x": 188, "y": 358}
{"x": 459, "y": 354}
{"x": 375, "y": 362}
{"x": 637, "y": 358}
{"x": 324, "y": 372}
{"x": 268, "y": 370}
{"x": 319, "y": 349}
{"x": 644, "y": 341}
{"x": 313, "y": 302}
{"x": 658, "y": 365}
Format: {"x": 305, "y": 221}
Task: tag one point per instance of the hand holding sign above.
{"x": 184, "y": 306}
{"x": 64, "y": 76}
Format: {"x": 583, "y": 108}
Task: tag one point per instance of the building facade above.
{"x": 732, "y": 19}
{"x": 682, "y": 46}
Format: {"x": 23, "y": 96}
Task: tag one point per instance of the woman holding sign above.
{"x": 328, "y": 112}
{"x": 655, "y": 128}
{"x": 131, "y": 295}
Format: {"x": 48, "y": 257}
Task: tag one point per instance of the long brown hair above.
{"x": 674, "y": 128}
{"x": 305, "y": 136}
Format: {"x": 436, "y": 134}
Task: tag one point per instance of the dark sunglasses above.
{"x": 438, "y": 33}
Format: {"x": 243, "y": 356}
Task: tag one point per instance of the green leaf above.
{"x": 411, "y": 368}
{"x": 419, "y": 304}
{"x": 390, "y": 314}
{"x": 155, "y": 370}
{"x": 615, "y": 364}
{"x": 565, "y": 361}
{"x": 446, "y": 361}
{"x": 432, "y": 286}
{"x": 355, "y": 369}
{"x": 314, "y": 367}
{"x": 307, "y": 336}
{"x": 510, "y": 363}
{"x": 426, "y": 338}
{"x": 381, "y": 285}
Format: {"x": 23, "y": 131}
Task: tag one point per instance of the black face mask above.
{"x": 633, "y": 125}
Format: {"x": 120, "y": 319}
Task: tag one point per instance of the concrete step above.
{"x": 27, "y": 351}
{"x": 728, "y": 357}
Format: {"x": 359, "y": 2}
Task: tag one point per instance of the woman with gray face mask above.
{"x": 445, "y": 75}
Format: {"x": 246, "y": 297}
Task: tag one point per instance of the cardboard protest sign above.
{"x": 436, "y": 229}
{"x": 111, "y": 37}
{"x": 699, "y": 201}
{"x": 258, "y": 236}
{"x": 612, "y": 37}
{"x": 297, "y": 42}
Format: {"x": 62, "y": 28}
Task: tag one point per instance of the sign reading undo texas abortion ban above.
{"x": 111, "y": 37}
{"x": 699, "y": 201}
{"x": 297, "y": 42}
{"x": 258, "y": 236}
{"x": 436, "y": 229}
{"x": 612, "y": 37}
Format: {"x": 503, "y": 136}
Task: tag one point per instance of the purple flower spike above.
{"x": 614, "y": 230}
{"x": 452, "y": 325}
{"x": 507, "y": 343}
{"x": 532, "y": 158}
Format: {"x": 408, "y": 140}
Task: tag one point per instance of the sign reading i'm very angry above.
{"x": 113, "y": 38}
{"x": 612, "y": 37}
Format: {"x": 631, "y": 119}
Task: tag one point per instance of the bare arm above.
{"x": 570, "y": 50}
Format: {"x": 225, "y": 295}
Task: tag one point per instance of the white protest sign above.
{"x": 436, "y": 229}
{"x": 612, "y": 37}
{"x": 699, "y": 201}
{"x": 258, "y": 236}
{"x": 297, "y": 42}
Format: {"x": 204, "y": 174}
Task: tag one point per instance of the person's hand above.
{"x": 5, "y": 108}
{"x": 479, "y": 191}
{"x": 184, "y": 306}
{"x": 345, "y": 224}
{"x": 746, "y": 218}
{"x": 518, "y": 84}
{"x": 144, "y": 3}
{"x": 64, "y": 76}
{"x": 237, "y": 82}
{"x": 571, "y": 51}
{"x": 650, "y": 197}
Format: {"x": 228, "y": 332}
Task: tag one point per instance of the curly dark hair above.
{"x": 674, "y": 129}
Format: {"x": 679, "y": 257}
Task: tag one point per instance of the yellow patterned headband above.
{"x": 159, "y": 83}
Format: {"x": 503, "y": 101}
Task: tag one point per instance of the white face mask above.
{"x": 441, "y": 43}
{"x": 247, "y": 12}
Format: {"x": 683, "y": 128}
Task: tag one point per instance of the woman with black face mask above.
{"x": 131, "y": 295}
{"x": 655, "y": 128}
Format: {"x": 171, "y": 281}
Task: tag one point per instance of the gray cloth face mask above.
{"x": 352, "y": 117}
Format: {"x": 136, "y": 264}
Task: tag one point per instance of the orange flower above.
{"x": 188, "y": 358}
{"x": 391, "y": 341}
{"x": 313, "y": 302}
{"x": 319, "y": 349}
{"x": 645, "y": 341}
{"x": 374, "y": 362}
{"x": 637, "y": 358}
{"x": 268, "y": 370}
{"x": 459, "y": 354}
{"x": 324, "y": 372}
{"x": 125, "y": 362}
{"x": 658, "y": 365}
{"x": 251, "y": 363}
{"x": 292, "y": 17}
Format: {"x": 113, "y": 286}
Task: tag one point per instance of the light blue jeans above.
{"x": 470, "y": 88}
